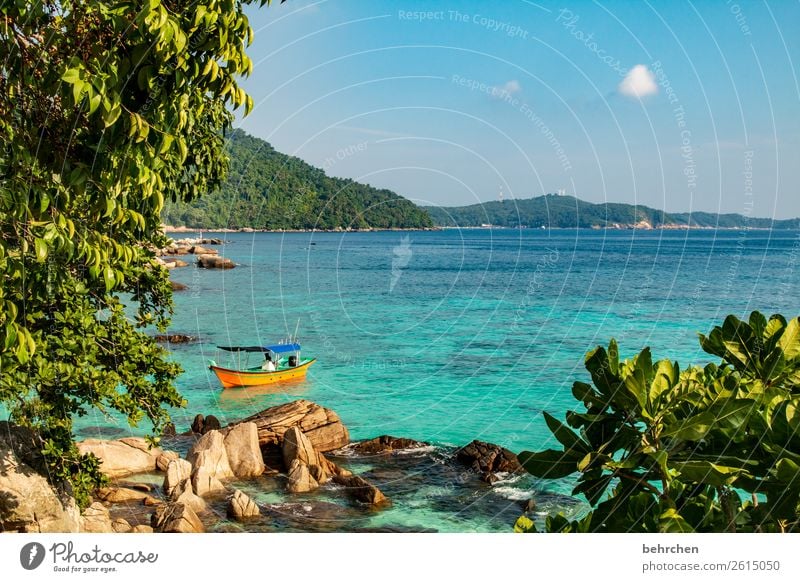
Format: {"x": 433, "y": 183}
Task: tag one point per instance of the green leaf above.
{"x": 565, "y": 435}
{"x": 790, "y": 340}
{"x": 549, "y": 464}
{"x": 707, "y": 472}
{"x": 40, "y": 247}
{"x": 724, "y": 414}
{"x": 671, "y": 521}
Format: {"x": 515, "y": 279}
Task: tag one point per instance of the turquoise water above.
{"x": 482, "y": 329}
{"x": 455, "y": 335}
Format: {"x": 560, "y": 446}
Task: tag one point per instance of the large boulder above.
{"x": 120, "y": 494}
{"x": 485, "y": 458}
{"x": 241, "y": 507}
{"x": 209, "y": 463}
{"x": 361, "y": 490}
{"x": 176, "y": 518}
{"x": 214, "y": 262}
{"x": 27, "y": 501}
{"x": 297, "y": 446}
{"x": 178, "y": 471}
{"x": 184, "y": 493}
{"x": 385, "y": 444}
{"x": 244, "y": 453}
{"x": 163, "y": 461}
{"x": 322, "y": 426}
{"x": 122, "y": 457}
{"x": 300, "y": 479}
{"x": 96, "y": 519}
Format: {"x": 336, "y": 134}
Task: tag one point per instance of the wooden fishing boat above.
{"x": 285, "y": 359}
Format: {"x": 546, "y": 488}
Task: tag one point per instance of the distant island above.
{"x": 554, "y": 211}
{"x": 268, "y": 190}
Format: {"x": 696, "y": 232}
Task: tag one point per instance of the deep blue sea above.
{"x": 454, "y": 335}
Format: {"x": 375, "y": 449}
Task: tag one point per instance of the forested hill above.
{"x": 270, "y": 190}
{"x": 569, "y": 212}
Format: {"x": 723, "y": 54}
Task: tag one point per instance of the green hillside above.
{"x": 270, "y": 190}
{"x": 570, "y": 212}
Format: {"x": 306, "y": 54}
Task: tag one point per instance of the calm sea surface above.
{"x": 455, "y": 335}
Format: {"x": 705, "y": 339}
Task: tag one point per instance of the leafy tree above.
{"x": 707, "y": 449}
{"x": 107, "y": 108}
{"x": 268, "y": 189}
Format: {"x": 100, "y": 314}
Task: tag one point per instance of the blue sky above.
{"x": 681, "y": 106}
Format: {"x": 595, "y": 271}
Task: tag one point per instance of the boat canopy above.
{"x": 275, "y": 349}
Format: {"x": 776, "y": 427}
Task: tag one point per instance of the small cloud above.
{"x": 509, "y": 88}
{"x": 639, "y": 82}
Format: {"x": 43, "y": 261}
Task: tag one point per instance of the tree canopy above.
{"x": 107, "y": 109}
{"x": 270, "y": 190}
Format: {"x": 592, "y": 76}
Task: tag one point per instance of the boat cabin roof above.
{"x": 275, "y": 349}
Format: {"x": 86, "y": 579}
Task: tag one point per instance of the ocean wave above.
{"x": 513, "y": 493}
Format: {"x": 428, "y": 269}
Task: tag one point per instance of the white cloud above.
{"x": 509, "y": 88}
{"x": 639, "y": 82}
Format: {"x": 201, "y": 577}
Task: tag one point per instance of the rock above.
{"x": 529, "y": 506}
{"x": 202, "y": 424}
{"x": 179, "y": 263}
{"x": 297, "y": 446}
{"x": 361, "y": 490}
{"x": 96, "y": 519}
{"x": 169, "y": 430}
{"x": 183, "y": 493}
{"x": 141, "y": 528}
{"x": 122, "y": 457}
{"x": 385, "y": 444}
{"x": 176, "y": 518}
{"x": 331, "y": 468}
{"x": 175, "y": 338}
{"x": 163, "y": 460}
{"x": 488, "y": 458}
{"x": 300, "y": 479}
{"x": 177, "y": 287}
{"x": 241, "y": 507}
{"x": 119, "y": 494}
{"x": 323, "y": 427}
{"x": 27, "y": 501}
{"x": 244, "y": 454}
{"x": 135, "y": 485}
{"x": 178, "y": 471}
{"x": 490, "y": 478}
{"x": 214, "y": 262}
{"x": 150, "y": 501}
{"x": 209, "y": 463}
{"x": 211, "y": 423}
{"x": 198, "y": 423}
{"x": 198, "y": 250}
{"x": 120, "y": 525}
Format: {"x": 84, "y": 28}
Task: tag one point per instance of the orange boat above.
{"x": 281, "y": 362}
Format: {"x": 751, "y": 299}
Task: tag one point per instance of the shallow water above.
{"x": 454, "y": 335}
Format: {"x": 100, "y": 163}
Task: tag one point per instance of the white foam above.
{"x": 513, "y": 493}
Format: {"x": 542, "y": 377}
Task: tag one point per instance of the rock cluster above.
{"x": 488, "y": 459}
{"x": 322, "y": 426}
{"x": 385, "y": 444}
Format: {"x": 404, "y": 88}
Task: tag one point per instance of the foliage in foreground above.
{"x": 107, "y": 108}
{"x": 709, "y": 449}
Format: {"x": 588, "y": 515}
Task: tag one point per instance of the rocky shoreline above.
{"x": 297, "y": 456}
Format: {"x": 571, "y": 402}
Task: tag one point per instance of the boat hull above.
{"x": 230, "y": 378}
